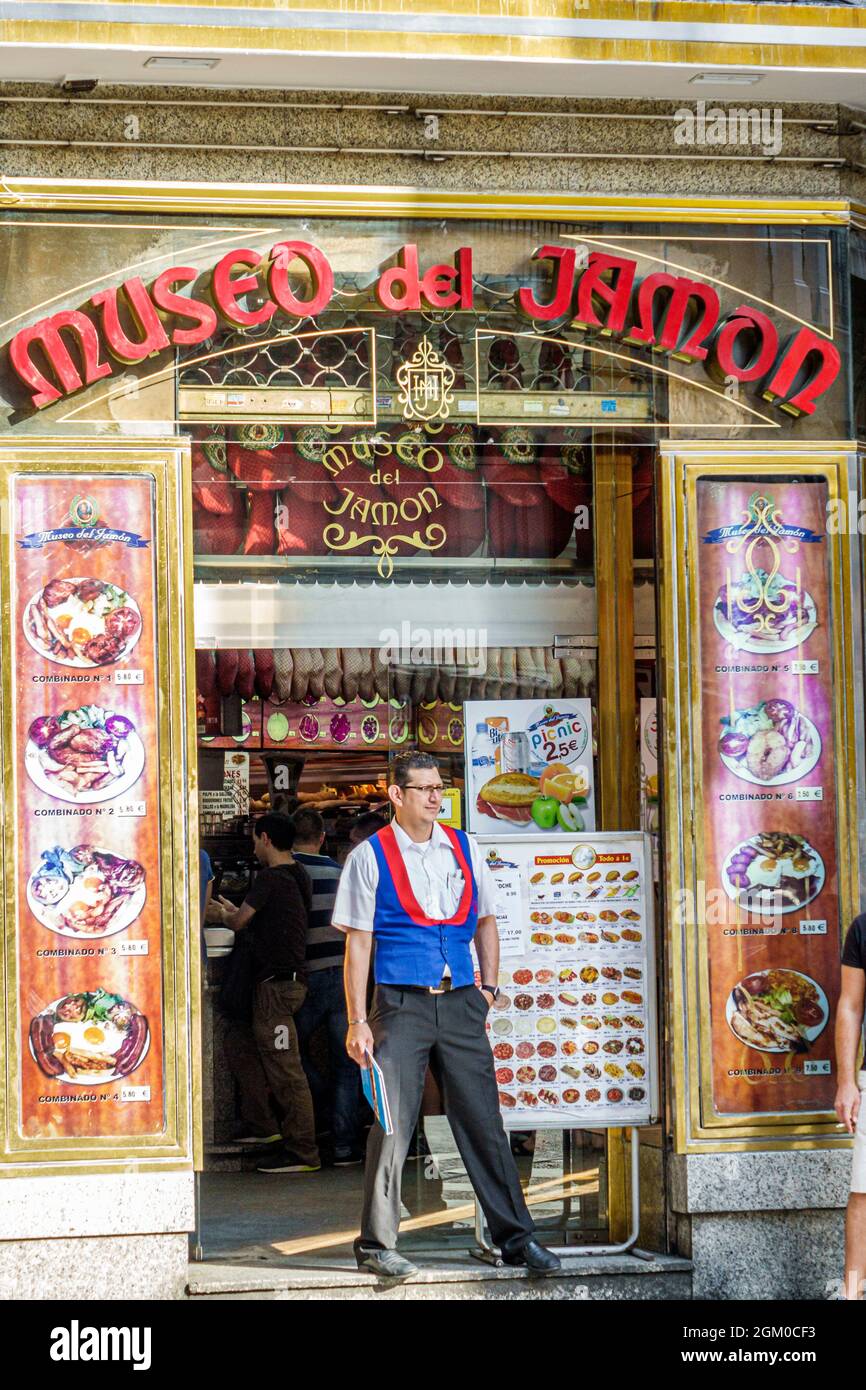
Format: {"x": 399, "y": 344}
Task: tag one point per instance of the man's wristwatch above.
{"x": 491, "y": 989}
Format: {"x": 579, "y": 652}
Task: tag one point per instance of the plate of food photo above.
{"x": 89, "y": 1039}
{"x": 769, "y": 744}
{"x": 84, "y": 755}
{"x": 773, "y": 872}
{"x": 82, "y": 622}
{"x": 85, "y": 891}
{"x": 763, "y": 613}
{"x": 777, "y": 1011}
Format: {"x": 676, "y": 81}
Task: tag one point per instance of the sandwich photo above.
{"x": 554, "y": 801}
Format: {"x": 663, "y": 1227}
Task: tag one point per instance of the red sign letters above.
{"x": 667, "y": 313}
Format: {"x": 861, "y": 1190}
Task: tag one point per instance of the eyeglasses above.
{"x": 436, "y": 790}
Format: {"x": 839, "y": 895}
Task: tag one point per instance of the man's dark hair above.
{"x": 406, "y": 763}
{"x": 279, "y": 830}
{"x": 369, "y": 824}
{"x": 308, "y": 824}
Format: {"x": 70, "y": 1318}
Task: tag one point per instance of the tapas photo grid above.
{"x": 572, "y": 1031}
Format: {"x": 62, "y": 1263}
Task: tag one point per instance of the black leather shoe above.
{"x": 536, "y": 1259}
{"x": 386, "y": 1263}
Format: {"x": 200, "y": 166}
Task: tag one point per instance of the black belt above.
{"x": 283, "y": 975}
{"x": 445, "y": 984}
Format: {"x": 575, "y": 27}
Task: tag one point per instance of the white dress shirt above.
{"x": 434, "y": 873}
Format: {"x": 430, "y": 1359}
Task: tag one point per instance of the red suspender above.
{"x": 408, "y": 901}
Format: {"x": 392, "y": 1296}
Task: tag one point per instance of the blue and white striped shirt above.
{"x": 325, "y": 945}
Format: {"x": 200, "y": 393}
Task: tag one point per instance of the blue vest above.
{"x": 412, "y": 948}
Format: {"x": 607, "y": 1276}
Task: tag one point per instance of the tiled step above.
{"x": 443, "y": 1277}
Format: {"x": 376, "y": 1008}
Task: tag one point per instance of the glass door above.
{"x": 564, "y": 1173}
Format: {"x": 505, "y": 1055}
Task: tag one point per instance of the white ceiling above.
{"x": 476, "y": 78}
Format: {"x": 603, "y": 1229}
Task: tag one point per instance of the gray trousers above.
{"x": 447, "y": 1031}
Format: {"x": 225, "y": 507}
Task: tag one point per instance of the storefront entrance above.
{"x": 424, "y": 511}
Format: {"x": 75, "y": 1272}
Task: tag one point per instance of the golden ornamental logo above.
{"x": 425, "y": 383}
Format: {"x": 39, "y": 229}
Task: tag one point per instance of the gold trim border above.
{"x": 664, "y": 11}
{"x": 769, "y": 44}
{"x": 345, "y": 200}
{"x": 167, "y": 461}
{"x": 687, "y": 978}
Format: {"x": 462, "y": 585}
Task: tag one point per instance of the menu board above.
{"x": 86, "y": 805}
{"x": 573, "y": 1030}
{"x": 767, "y": 833}
{"x": 529, "y": 766}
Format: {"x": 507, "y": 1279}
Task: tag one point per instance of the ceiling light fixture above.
{"x": 168, "y": 62}
{"x": 726, "y": 79}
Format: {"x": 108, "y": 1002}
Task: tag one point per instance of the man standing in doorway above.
{"x": 325, "y": 1004}
{"x": 275, "y": 913}
{"x": 850, "y": 1106}
{"x": 423, "y": 892}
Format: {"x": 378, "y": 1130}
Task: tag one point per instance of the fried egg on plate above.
{"x": 86, "y": 891}
{"x": 98, "y": 1039}
{"x": 76, "y": 622}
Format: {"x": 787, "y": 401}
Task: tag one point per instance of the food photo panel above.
{"x": 767, "y": 831}
{"x": 87, "y": 807}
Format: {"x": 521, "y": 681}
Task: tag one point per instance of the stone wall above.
{"x": 527, "y": 144}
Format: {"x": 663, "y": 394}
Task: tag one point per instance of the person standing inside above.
{"x": 275, "y": 913}
{"x": 366, "y": 826}
{"x": 205, "y": 893}
{"x": 423, "y": 892}
{"x": 850, "y": 1107}
{"x": 325, "y": 1003}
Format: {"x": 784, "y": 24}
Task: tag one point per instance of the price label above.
{"x": 131, "y": 808}
{"x": 817, "y": 1068}
{"x": 133, "y": 948}
{"x": 133, "y": 1093}
{"x": 809, "y": 794}
{"x": 813, "y": 926}
{"x": 804, "y": 668}
{"x": 129, "y": 677}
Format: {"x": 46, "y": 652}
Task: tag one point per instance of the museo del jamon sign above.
{"x": 184, "y": 305}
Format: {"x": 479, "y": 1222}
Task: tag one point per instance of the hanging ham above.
{"x": 366, "y": 683}
{"x": 352, "y": 664}
{"x": 227, "y": 670}
{"x": 302, "y": 658}
{"x": 283, "y": 673}
{"x": 255, "y": 460}
{"x": 246, "y": 677}
{"x": 211, "y": 483}
{"x": 264, "y": 663}
{"x": 205, "y": 673}
{"x": 316, "y": 683}
{"x": 333, "y": 673}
